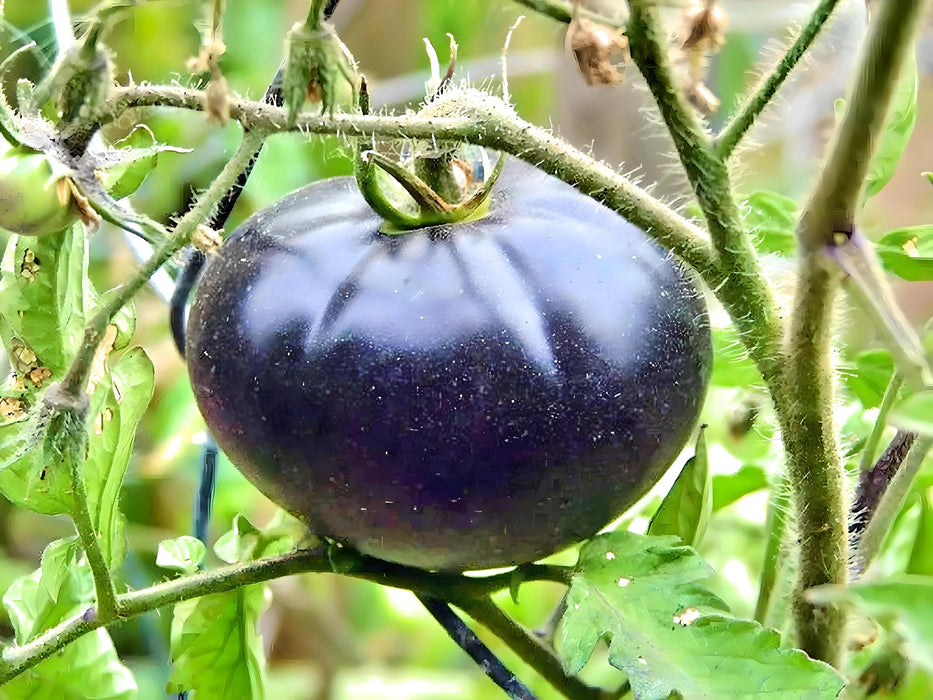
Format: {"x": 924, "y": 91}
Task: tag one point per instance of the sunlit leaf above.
{"x": 670, "y": 634}
{"x": 908, "y": 252}
{"x": 732, "y": 366}
{"x": 245, "y": 541}
{"x": 903, "y": 605}
{"x": 86, "y": 668}
{"x": 869, "y": 376}
{"x": 729, "y": 488}
{"x": 915, "y": 413}
{"x": 183, "y": 554}
{"x": 216, "y": 648}
{"x": 119, "y": 403}
{"x": 686, "y": 508}
{"x": 897, "y": 131}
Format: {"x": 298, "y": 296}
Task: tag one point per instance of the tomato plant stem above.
{"x": 805, "y": 403}
{"x": 891, "y": 502}
{"x": 531, "y": 649}
{"x": 118, "y": 298}
{"x": 480, "y": 119}
{"x": 736, "y": 129}
{"x": 16, "y": 660}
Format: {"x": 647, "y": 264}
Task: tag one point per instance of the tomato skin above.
{"x": 458, "y": 397}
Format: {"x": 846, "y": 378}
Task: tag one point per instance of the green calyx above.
{"x": 406, "y": 201}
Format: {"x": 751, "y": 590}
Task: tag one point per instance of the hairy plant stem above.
{"x": 527, "y": 646}
{"x": 454, "y": 587}
{"x": 814, "y": 465}
{"x": 480, "y": 119}
{"x": 68, "y": 438}
{"x": 563, "y": 11}
{"x": 776, "y": 528}
{"x": 742, "y": 289}
{"x": 891, "y": 502}
{"x": 756, "y": 103}
{"x": 115, "y": 300}
{"x": 806, "y": 399}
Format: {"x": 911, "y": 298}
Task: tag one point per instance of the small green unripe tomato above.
{"x": 33, "y": 200}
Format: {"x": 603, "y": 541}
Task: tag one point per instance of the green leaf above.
{"x": 908, "y": 253}
{"x": 216, "y": 648}
{"x": 118, "y": 404}
{"x": 44, "y": 297}
{"x": 129, "y": 162}
{"x": 915, "y": 413}
{"x": 729, "y": 488}
{"x": 903, "y": 605}
{"x": 44, "y": 300}
{"x": 86, "y": 668}
{"x": 183, "y": 554}
{"x": 869, "y": 376}
{"x": 921, "y": 556}
{"x": 732, "y": 366}
{"x": 246, "y": 542}
{"x": 897, "y": 131}
{"x": 671, "y": 635}
{"x": 772, "y": 220}
{"x": 686, "y": 508}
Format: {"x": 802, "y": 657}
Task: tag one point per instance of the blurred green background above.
{"x": 332, "y": 637}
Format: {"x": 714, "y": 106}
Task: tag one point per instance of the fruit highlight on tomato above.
{"x": 457, "y": 397}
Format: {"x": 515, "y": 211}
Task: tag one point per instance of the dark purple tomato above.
{"x": 457, "y": 397}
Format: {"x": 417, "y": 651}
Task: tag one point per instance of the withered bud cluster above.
{"x": 600, "y": 51}
{"x": 705, "y": 24}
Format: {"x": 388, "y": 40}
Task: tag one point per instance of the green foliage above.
{"x": 903, "y": 605}
{"x": 670, "y": 634}
{"x": 117, "y": 406}
{"x": 183, "y": 554}
{"x": 772, "y": 219}
{"x": 897, "y": 132}
{"x": 216, "y": 648}
{"x": 88, "y": 667}
{"x": 686, "y": 509}
{"x": 915, "y": 413}
{"x": 908, "y": 252}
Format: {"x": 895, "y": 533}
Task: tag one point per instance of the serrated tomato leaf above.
{"x": 686, "y": 509}
{"x": 216, "y": 648}
{"x": 669, "y": 633}
{"x": 89, "y": 666}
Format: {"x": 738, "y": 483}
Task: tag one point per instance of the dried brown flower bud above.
{"x": 706, "y": 24}
{"x": 702, "y": 98}
{"x": 599, "y": 50}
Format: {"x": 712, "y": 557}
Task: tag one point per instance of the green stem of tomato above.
{"x": 749, "y": 112}
{"x": 484, "y": 122}
{"x": 531, "y": 649}
{"x": 115, "y": 300}
{"x": 454, "y": 587}
{"x": 805, "y": 402}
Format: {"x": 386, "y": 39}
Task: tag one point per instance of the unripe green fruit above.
{"x": 30, "y": 202}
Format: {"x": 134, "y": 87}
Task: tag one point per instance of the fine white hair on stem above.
{"x": 504, "y": 60}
